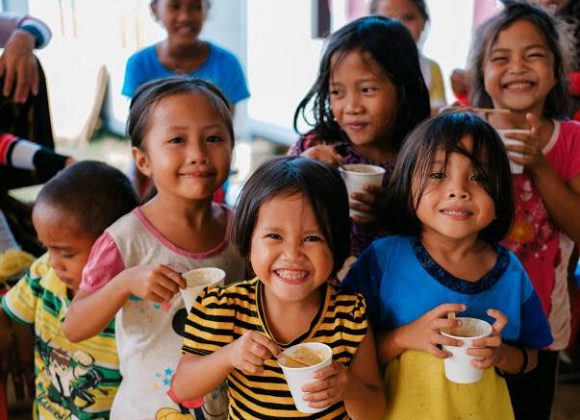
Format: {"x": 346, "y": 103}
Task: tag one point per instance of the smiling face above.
{"x": 68, "y": 246}
{"x": 288, "y": 251}
{"x": 519, "y": 69}
{"x": 187, "y": 148}
{"x": 454, "y": 204}
{"x": 183, "y": 19}
{"x": 406, "y": 12}
{"x": 363, "y": 101}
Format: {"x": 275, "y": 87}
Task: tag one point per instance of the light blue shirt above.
{"x": 221, "y": 68}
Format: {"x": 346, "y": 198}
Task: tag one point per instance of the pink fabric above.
{"x": 534, "y": 237}
{"x": 105, "y": 262}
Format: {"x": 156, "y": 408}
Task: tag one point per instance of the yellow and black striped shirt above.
{"x": 222, "y": 315}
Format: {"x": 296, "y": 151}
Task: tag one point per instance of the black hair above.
{"x": 319, "y": 183}
{"x": 556, "y": 104}
{"x": 91, "y": 194}
{"x": 150, "y": 94}
{"x": 391, "y": 46}
{"x": 419, "y": 4}
{"x": 445, "y": 132}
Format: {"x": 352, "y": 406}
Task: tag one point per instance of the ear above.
{"x": 153, "y": 6}
{"x": 141, "y": 161}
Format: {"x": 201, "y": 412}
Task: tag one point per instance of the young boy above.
{"x": 72, "y": 380}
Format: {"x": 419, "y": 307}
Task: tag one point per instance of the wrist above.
{"x": 24, "y": 37}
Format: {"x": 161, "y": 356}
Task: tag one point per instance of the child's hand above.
{"x": 249, "y": 352}
{"x": 157, "y": 283}
{"x": 424, "y": 333}
{"x": 325, "y": 153}
{"x": 370, "y": 202}
{"x": 489, "y": 348}
{"x": 331, "y": 386}
{"x": 529, "y": 153}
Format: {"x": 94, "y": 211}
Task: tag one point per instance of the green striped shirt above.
{"x": 222, "y": 315}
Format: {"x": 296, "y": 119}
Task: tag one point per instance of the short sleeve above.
{"x": 131, "y": 81}
{"x": 105, "y": 262}
{"x": 535, "y": 328}
{"x": 210, "y": 323}
{"x": 234, "y": 85}
{"x": 365, "y": 277}
{"x": 20, "y": 302}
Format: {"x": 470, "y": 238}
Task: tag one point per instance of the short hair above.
{"x": 445, "y": 132}
{"x": 419, "y": 4}
{"x": 389, "y": 43}
{"x": 91, "y": 194}
{"x": 556, "y": 105}
{"x": 319, "y": 183}
{"x": 151, "y": 93}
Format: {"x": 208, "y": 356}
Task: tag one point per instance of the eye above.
{"x": 437, "y": 175}
{"x": 274, "y": 236}
{"x": 499, "y": 59}
{"x": 369, "y": 89}
{"x": 176, "y": 140}
{"x": 334, "y": 92}
{"x": 313, "y": 238}
{"x": 214, "y": 139}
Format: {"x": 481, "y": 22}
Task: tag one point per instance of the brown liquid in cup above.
{"x": 304, "y": 355}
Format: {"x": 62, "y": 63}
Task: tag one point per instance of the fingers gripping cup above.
{"x": 516, "y": 168}
{"x": 303, "y": 360}
{"x": 198, "y": 279}
{"x": 458, "y": 367}
{"x": 357, "y": 175}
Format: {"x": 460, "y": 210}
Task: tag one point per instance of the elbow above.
{"x": 71, "y": 333}
{"x": 532, "y": 360}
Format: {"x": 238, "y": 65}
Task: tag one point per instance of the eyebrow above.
{"x": 529, "y": 47}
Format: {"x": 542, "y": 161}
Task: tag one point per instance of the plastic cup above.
{"x": 458, "y": 368}
{"x": 516, "y": 168}
{"x": 198, "y": 279}
{"x": 357, "y": 175}
{"x": 297, "y": 377}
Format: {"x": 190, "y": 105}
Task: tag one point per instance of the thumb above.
{"x": 534, "y": 123}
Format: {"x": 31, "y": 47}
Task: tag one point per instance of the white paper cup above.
{"x": 198, "y": 279}
{"x": 458, "y": 368}
{"x": 516, "y": 168}
{"x": 297, "y": 377}
{"x": 357, "y": 175}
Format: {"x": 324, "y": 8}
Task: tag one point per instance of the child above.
{"x": 183, "y": 53}
{"x": 72, "y": 210}
{"x": 517, "y": 65}
{"x": 413, "y": 14}
{"x": 134, "y": 269}
{"x": 449, "y": 196}
{"x": 292, "y": 231}
{"x": 368, "y": 95}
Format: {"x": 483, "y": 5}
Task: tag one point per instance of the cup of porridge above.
{"x": 357, "y": 175}
{"x": 197, "y": 280}
{"x": 458, "y": 367}
{"x": 505, "y": 134}
{"x": 303, "y": 360}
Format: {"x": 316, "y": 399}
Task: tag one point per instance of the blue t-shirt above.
{"x": 401, "y": 282}
{"x": 221, "y": 68}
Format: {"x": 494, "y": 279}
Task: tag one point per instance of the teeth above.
{"x": 456, "y": 212}
{"x": 292, "y": 274}
{"x": 521, "y": 85}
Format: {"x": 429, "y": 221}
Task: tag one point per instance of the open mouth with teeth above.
{"x": 292, "y": 276}
{"x": 459, "y": 214}
{"x": 518, "y": 86}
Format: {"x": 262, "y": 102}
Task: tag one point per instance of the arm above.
{"x": 18, "y": 65}
{"x": 422, "y": 334}
{"x": 23, "y": 154}
{"x": 248, "y": 353}
{"x": 360, "y": 387}
{"x": 90, "y": 313}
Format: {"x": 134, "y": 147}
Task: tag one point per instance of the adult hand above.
{"x": 18, "y": 67}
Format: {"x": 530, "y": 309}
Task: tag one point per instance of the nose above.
{"x": 517, "y": 65}
{"x": 353, "y": 104}
{"x": 457, "y": 189}
{"x": 197, "y": 153}
{"x": 55, "y": 261}
{"x": 292, "y": 250}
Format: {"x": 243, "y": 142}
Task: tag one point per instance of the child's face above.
{"x": 288, "y": 251}
{"x": 519, "y": 69}
{"x": 183, "y": 19}
{"x": 406, "y": 12}
{"x": 363, "y": 100}
{"x": 454, "y": 205}
{"x": 68, "y": 245}
{"x": 187, "y": 149}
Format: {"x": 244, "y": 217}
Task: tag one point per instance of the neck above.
{"x": 377, "y": 153}
{"x": 194, "y": 213}
{"x": 451, "y": 249}
{"x": 185, "y": 51}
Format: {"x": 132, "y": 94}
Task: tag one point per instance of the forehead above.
{"x": 286, "y": 208}
{"x": 521, "y": 33}
{"x": 54, "y": 227}
{"x": 185, "y": 108}
{"x": 396, "y": 8}
{"x": 354, "y": 64}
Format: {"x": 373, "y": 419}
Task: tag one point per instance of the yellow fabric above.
{"x": 417, "y": 389}
{"x": 437, "y": 88}
{"x": 13, "y": 262}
